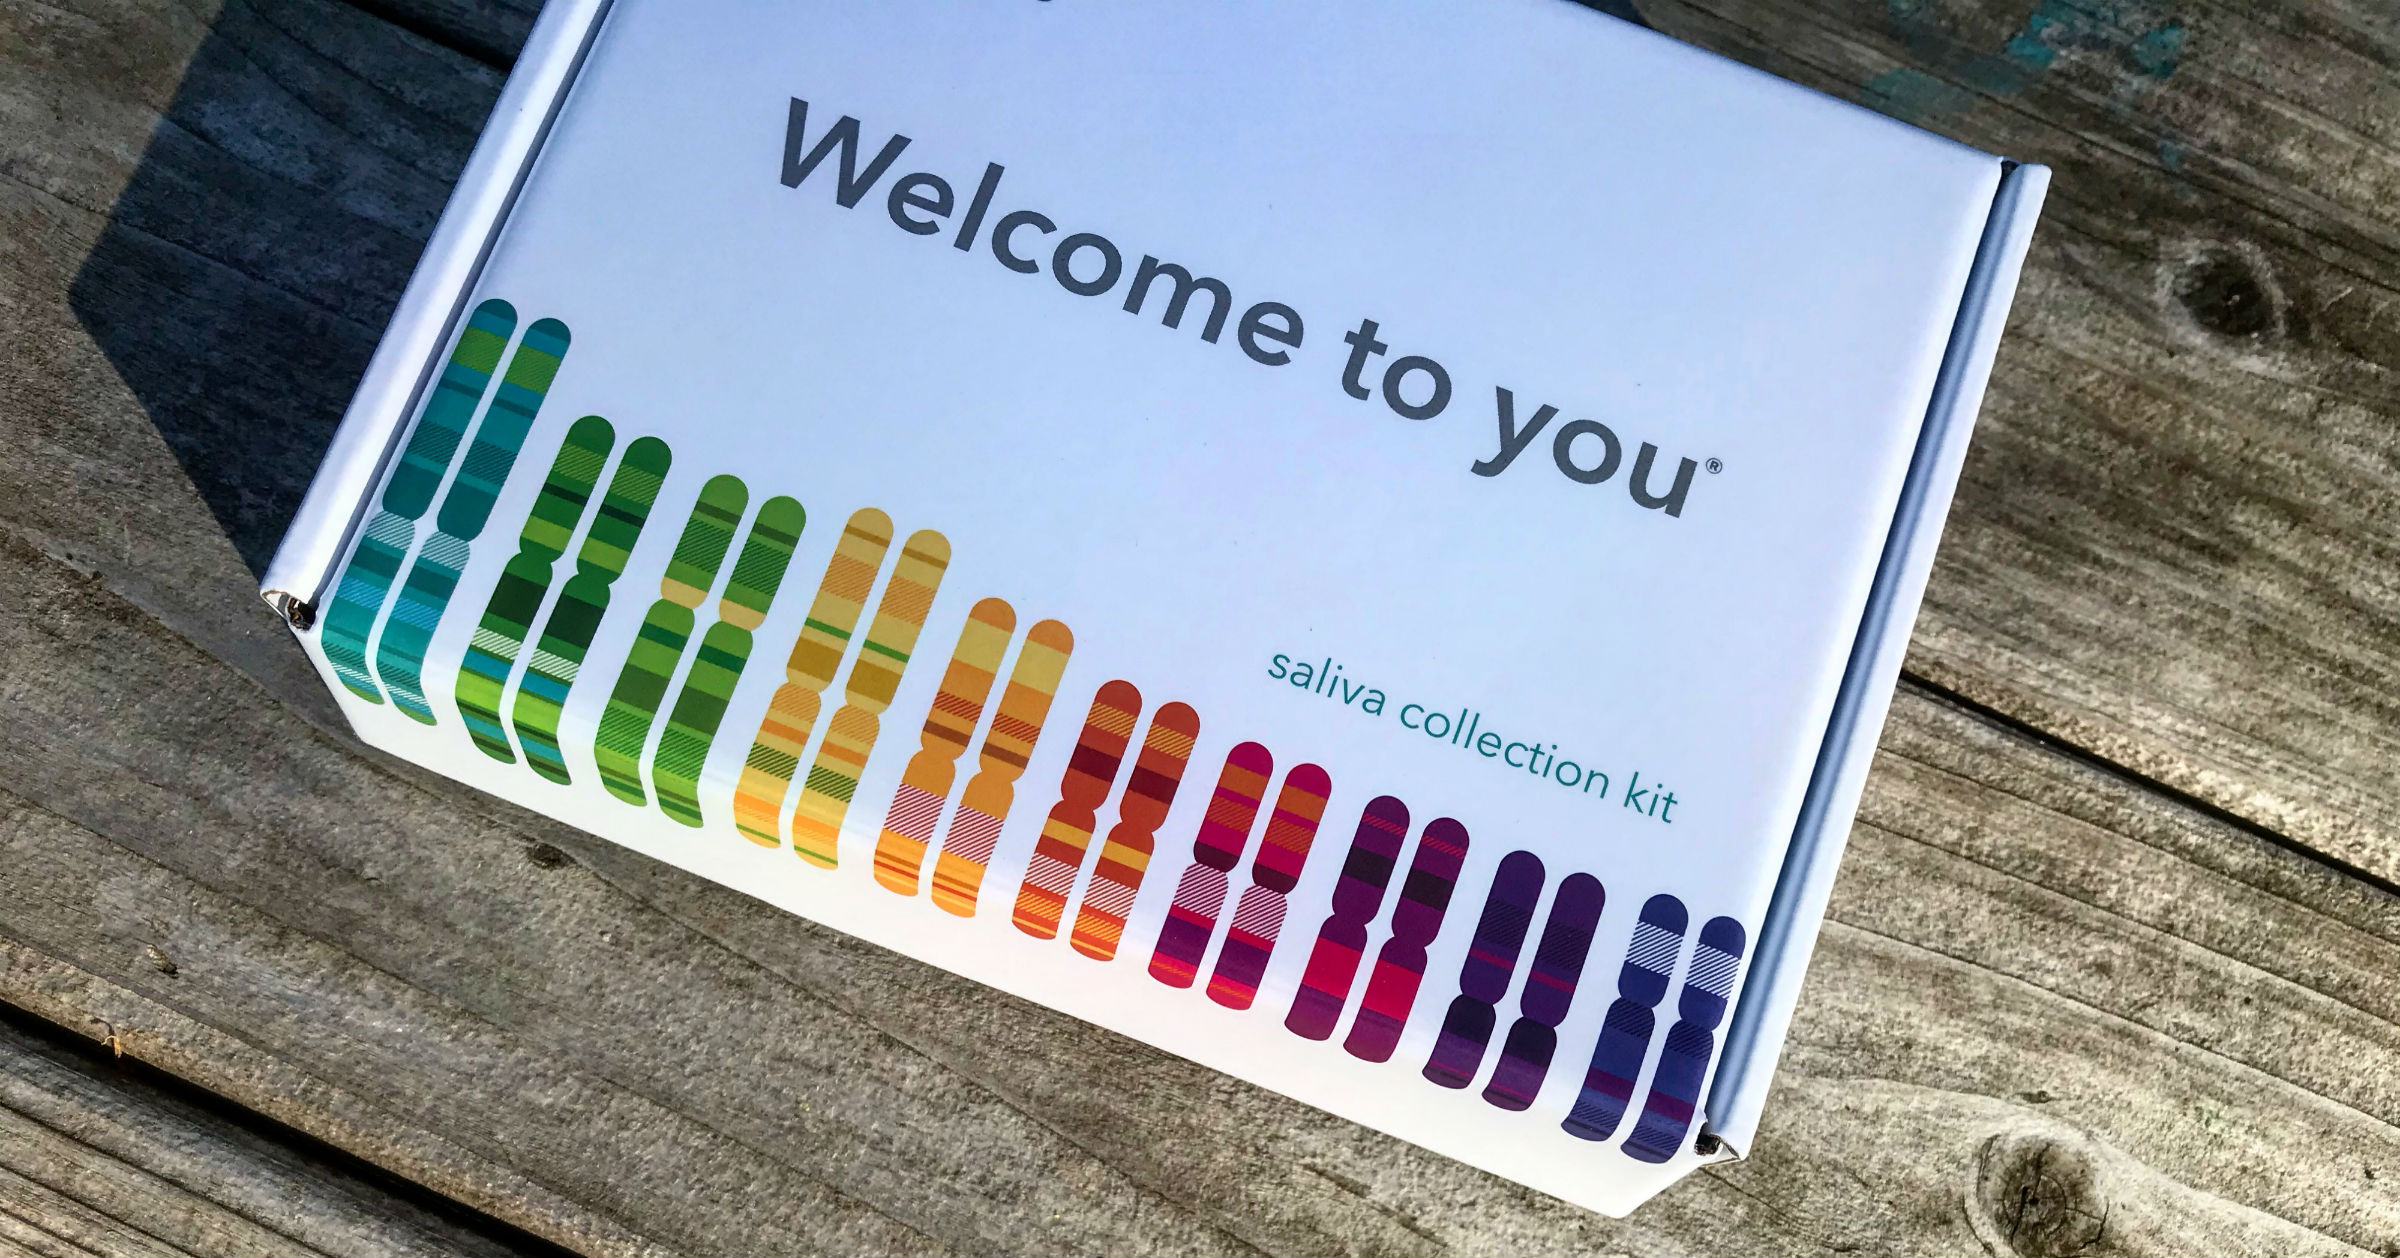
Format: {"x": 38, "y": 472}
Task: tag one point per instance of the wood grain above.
{"x": 623, "y": 1058}
{"x": 2177, "y": 541}
{"x": 97, "y": 1160}
{"x": 2048, "y": 995}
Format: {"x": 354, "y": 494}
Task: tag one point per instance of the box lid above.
{"x": 1336, "y": 546}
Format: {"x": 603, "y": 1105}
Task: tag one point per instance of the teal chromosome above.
{"x": 367, "y": 579}
{"x": 400, "y": 655}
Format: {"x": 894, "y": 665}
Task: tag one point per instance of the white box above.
{"x": 1494, "y": 569}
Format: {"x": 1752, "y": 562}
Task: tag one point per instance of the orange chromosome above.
{"x": 1067, "y": 832}
{"x": 984, "y": 806}
{"x": 1125, "y": 857}
{"x": 957, "y": 709}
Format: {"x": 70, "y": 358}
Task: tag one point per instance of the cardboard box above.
{"x": 1365, "y": 546}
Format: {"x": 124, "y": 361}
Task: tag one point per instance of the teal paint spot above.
{"x": 2026, "y": 47}
{"x": 2170, "y": 155}
{"x": 2157, "y": 52}
{"x": 2149, "y": 44}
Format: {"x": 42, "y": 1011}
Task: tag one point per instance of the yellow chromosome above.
{"x": 874, "y": 676}
{"x": 824, "y": 639}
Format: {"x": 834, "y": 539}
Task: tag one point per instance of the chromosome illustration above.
{"x": 724, "y": 651}
{"x": 815, "y": 657}
{"x": 508, "y": 618}
{"x": 667, "y": 629}
{"x": 874, "y": 676}
{"x": 984, "y": 806}
{"x": 1549, "y": 990}
{"x": 1484, "y": 976}
{"x": 1067, "y": 831}
{"x": 1258, "y": 917}
{"x": 1200, "y": 893}
{"x": 1125, "y": 855}
{"x": 1342, "y": 939}
{"x": 366, "y": 581}
{"x": 957, "y": 709}
{"x": 583, "y": 602}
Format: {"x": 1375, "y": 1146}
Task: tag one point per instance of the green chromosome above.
{"x": 583, "y": 602}
{"x": 658, "y": 648}
{"x": 367, "y": 579}
{"x": 525, "y": 582}
{"x": 425, "y": 596}
{"x": 717, "y": 666}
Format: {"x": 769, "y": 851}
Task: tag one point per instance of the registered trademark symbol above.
{"x": 1715, "y": 466}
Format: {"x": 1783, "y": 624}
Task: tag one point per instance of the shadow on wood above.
{"x": 250, "y": 263}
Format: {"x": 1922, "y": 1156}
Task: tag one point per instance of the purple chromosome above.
{"x": 1675, "y": 1087}
{"x": 1416, "y": 919}
{"x": 1549, "y": 990}
{"x": 1625, "y": 1033}
{"x": 1483, "y": 979}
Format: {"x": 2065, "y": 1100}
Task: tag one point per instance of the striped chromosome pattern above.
{"x": 466, "y": 508}
{"x": 1258, "y": 918}
{"x": 1342, "y": 940}
{"x": 1125, "y": 856}
{"x": 724, "y": 651}
{"x": 583, "y": 601}
{"x": 1067, "y": 831}
{"x": 1549, "y": 990}
{"x": 824, "y": 638}
{"x": 983, "y": 807}
{"x": 1483, "y": 978}
{"x": 874, "y": 676}
{"x": 1683, "y": 1063}
{"x": 525, "y": 582}
{"x": 367, "y": 579}
{"x": 665, "y": 632}
{"x": 1416, "y": 918}
{"x": 1625, "y": 1033}
{"x": 1200, "y": 893}
{"x": 957, "y": 709}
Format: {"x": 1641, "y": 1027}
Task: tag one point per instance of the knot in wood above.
{"x": 2040, "y": 1195}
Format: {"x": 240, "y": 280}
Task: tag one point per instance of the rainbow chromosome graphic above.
{"x": 1342, "y": 940}
{"x": 525, "y": 582}
{"x": 1216, "y": 849}
{"x": 1683, "y": 1063}
{"x": 1483, "y": 978}
{"x": 1625, "y": 1033}
{"x": 1258, "y": 918}
{"x": 874, "y": 676}
{"x": 816, "y": 656}
{"x": 1125, "y": 856}
{"x": 1549, "y": 990}
{"x": 366, "y": 581}
{"x": 957, "y": 709}
{"x": 583, "y": 602}
{"x": 425, "y": 595}
{"x": 724, "y": 651}
{"x": 665, "y": 632}
{"x": 1067, "y": 831}
{"x": 1416, "y": 918}
{"x": 983, "y": 807}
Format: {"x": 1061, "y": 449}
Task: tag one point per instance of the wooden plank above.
{"x": 2027, "y": 953}
{"x": 105, "y": 1161}
{"x": 2033, "y": 965}
{"x": 2177, "y": 542}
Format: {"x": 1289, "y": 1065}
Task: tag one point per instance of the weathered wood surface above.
{"x": 96, "y": 1161}
{"x": 2056, "y": 1011}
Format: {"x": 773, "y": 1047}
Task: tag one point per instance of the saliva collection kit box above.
{"x": 1364, "y": 545}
